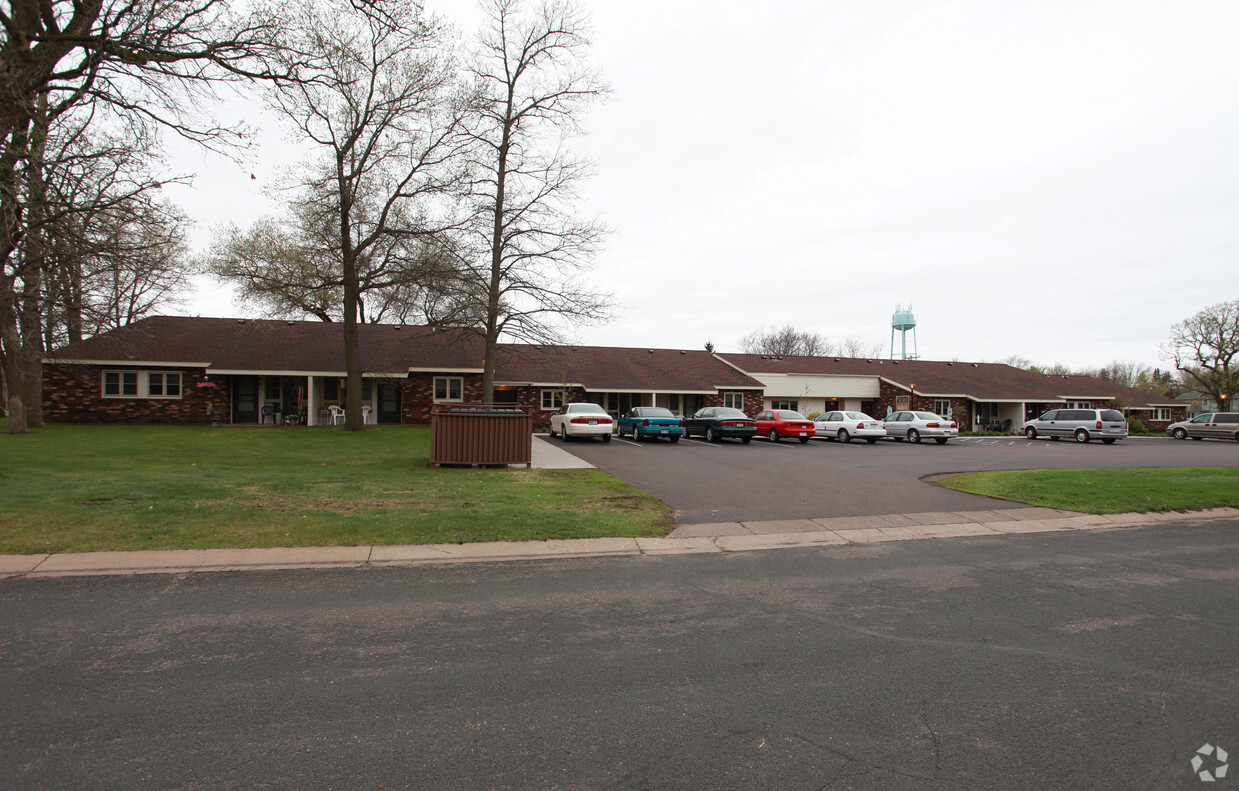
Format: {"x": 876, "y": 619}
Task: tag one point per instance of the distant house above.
{"x": 246, "y": 371}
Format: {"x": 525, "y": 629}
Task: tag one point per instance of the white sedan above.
{"x": 845, "y": 425}
{"x": 581, "y": 420}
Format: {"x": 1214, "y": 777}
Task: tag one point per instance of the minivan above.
{"x": 1222, "y": 425}
{"x": 1107, "y": 425}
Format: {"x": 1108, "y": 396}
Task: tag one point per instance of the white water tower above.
{"x": 902, "y": 321}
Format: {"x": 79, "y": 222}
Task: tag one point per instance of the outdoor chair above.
{"x": 365, "y": 414}
{"x": 268, "y": 410}
{"x": 337, "y": 414}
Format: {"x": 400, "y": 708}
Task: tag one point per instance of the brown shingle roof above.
{"x": 982, "y": 381}
{"x": 262, "y": 345}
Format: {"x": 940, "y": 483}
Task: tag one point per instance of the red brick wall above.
{"x": 74, "y": 394}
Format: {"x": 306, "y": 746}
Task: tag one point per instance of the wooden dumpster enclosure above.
{"x": 483, "y": 434}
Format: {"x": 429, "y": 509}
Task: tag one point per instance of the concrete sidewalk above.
{"x": 688, "y": 539}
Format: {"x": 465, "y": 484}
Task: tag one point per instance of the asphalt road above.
{"x": 732, "y": 482}
{"x": 1089, "y": 660}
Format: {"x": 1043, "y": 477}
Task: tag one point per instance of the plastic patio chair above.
{"x": 365, "y": 414}
{"x": 337, "y": 414}
{"x": 268, "y": 410}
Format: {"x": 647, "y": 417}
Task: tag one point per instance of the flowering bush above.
{"x": 207, "y": 384}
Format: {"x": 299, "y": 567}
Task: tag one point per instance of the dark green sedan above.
{"x": 720, "y": 422}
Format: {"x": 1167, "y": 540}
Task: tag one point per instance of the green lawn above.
{"x": 87, "y": 488}
{"x": 1108, "y": 491}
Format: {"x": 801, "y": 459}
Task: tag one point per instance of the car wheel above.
{"x": 941, "y": 440}
{"x": 844, "y": 436}
{"x": 710, "y": 435}
{"x": 803, "y": 440}
{"x": 871, "y": 440}
{"x": 1108, "y": 441}
{"x": 553, "y": 434}
{"x": 606, "y": 437}
{"x": 1180, "y": 433}
{"x": 1030, "y": 432}
{"x": 914, "y": 435}
{"x": 774, "y": 435}
{"x": 746, "y": 440}
{"x": 1081, "y": 435}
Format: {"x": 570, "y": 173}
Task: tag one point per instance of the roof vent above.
{"x": 869, "y": 361}
{"x": 974, "y": 365}
{"x": 780, "y": 357}
{"x": 683, "y": 352}
{"x": 894, "y": 362}
{"x": 651, "y": 351}
{"x": 836, "y": 359}
{"x": 291, "y": 323}
{"x": 950, "y": 363}
{"x": 240, "y": 321}
{"x": 397, "y": 326}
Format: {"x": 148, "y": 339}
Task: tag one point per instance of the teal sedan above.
{"x": 644, "y": 422}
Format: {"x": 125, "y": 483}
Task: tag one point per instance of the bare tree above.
{"x": 377, "y": 105}
{"x": 125, "y": 65}
{"x": 787, "y": 340}
{"x": 855, "y": 347}
{"x": 526, "y": 249}
{"x": 1204, "y": 348}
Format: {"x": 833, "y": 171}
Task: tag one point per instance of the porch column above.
{"x": 311, "y": 401}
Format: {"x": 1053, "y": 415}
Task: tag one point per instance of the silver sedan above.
{"x": 845, "y": 425}
{"x": 914, "y": 425}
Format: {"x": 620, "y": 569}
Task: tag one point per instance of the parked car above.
{"x": 914, "y": 425}
{"x": 581, "y": 420}
{"x": 779, "y": 423}
{"x": 1108, "y": 425}
{"x": 845, "y": 425}
{"x": 720, "y": 422}
{"x": 651, "y": 421}
{"x": 1220, "y": 425}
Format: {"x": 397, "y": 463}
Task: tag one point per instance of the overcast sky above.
{"x": 1053, "y": 180}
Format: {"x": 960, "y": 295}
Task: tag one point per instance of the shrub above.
{"x": 1136, "y": 427}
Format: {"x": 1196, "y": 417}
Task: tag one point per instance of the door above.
{"x": 389, "y": 404}
{"x": 245, "y": 399}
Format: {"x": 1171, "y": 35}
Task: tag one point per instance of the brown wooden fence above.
{"x": 482, "y": 434}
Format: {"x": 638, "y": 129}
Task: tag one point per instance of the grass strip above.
{"x": 1108, "y": 491}
{"x": 91, "y": 488}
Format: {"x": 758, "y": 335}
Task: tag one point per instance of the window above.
{"x": 331, "y": 389}
{"x": 141, "y": 384}
{"x": 272, "y": 389}
{"x": 942, "y": 406}
{"x": 449, "y": 388}
{"x": 1162, "y": 414}
{"x": 733, "y": 400}
{"x": 1078, "y": 405}
{"x": 785, "y": 404}
{"x": 552, "y": 399}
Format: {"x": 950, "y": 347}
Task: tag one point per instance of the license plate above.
{"x": 593, "y": 422}
{"x": 803, "y": 434}
{"x": 665, "y": 431}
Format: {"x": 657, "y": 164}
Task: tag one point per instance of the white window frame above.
{"x": 142, "y": 384}
{"x": 447, "y": 388}
{"x": 552, "y": 399}
{"x": 1162, "y": 414}
{"x": 1079, "y": 405}
{"x": 942, "y": 407}
{"x": 733, "y": 400}
{"x": 790, "y": 404}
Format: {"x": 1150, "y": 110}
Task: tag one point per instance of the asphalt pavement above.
{"x": 1071, "y": 659}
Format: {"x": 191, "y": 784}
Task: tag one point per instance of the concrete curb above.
{"x": 685, "y": 540}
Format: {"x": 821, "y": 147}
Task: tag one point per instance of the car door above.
{"x": 1047, "y": 424}
{"x": 897, "y": 425}
{"x": 1224, "y": 425}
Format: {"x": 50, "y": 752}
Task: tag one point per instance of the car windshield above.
{"x": 726, "y": 412}
{"x": 655, "y": 411}
{"x": 926, "y": 416}
{"x": 587, "y": 409}
{"x": 787, "y": 414}
{"x": 858, "y": 416}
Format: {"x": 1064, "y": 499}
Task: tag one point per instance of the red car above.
{"x": 779, "y": 423}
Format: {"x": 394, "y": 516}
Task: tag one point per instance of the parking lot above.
{"x": 732, "y": 482}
